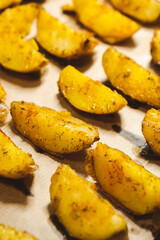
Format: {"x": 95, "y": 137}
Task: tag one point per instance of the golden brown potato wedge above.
{"x": 155, "y": 47}
{"x": 61, "y": 40}
{"x": 20, "y": 18}
{"x": 19, "y": 55}
{"x": 151, "y": 129}
{"x": 146, "y": 11}
{"x": 14, "y": 163}
{"x": 131, "y": 78}
{"x": 88, "y": 95}
{"x": 107, "y": 23}
{"x": 80, "y": 209}
{"x": 7, "y": 3}
{"x": 3, "y": 108}
{"x": 67, "y": 8}
{"x": 55, "y": 132}
{"x": 121, "y": 177}
{"x": 9, "y": 233}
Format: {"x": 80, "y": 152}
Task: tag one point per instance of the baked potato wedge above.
{"x": 14, "y": 163}
{"x": 151, "y": 129}
{"x": 9, "y": 233}
{"x": 88, "y": 95}
{"x": 19, "y": 55}
{"x": 155, "y": 47}
{"x": 110, "y": 25}
{"x": 54, "y": 132}
{"x": 80, "y": 209}
{"x": 132, "y": 79}
{"x": 3, "y": 108}
{"x": 7, "y": 3}
{"x": 146, "y": 11}
{"x": 121, "y": 177}
{"x": 61, "y": 40}
{"x": 20, "y": 18}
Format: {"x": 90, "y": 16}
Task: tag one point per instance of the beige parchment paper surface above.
{"x": 25, "y": 204}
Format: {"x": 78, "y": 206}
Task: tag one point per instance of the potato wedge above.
{"x": 88, "y": 95}
{"x": 3, "y": 108}
{"x": 7, "y": 3}
{"x": 20, "y": 18}
{"x": 131, "y": 78}
{"x": 19, "y": 55}
{"x": 14, "y": 163}
{"x": 110, "y": 25}
{"x": 61, "y": 40}
{"x": 54, "y": 132}
{"x": 9, "y": 233}
{"x": 67, "y": 8}
{"x": 146, "y": 11}
{"x": 151, "y": 129}
{"x": 80, "y": 209}
{"x": 121, "y": 177}
{"x": 155, "y": 47}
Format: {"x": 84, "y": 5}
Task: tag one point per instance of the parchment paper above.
{"x": 25, "y": 204}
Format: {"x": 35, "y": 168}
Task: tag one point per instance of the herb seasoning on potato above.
{"x": 84, "y": 214}
{"x": 54, "y": 132}
{"x": 118, "y": 175}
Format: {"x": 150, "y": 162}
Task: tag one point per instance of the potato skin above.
{"x": 80, "y": 209}
{"x": 54, "y": 132}
{"x": 19, "y": 55}
{"x": 110, "y": 25}
{"x": 3, "y": 108}
{"x": 146, "y": 11}
{"x": 151, "y": 129}
{"x": 19, "y": 18}
{"x": 131, "y": 78}
{"x": 7, "y": 3}
{"x": 61, "y": 40}
{"x": 155, "y": 47}
{"x": 121, "y": 177}
{"x": 9, "y": 233}
{"x": 14, "y": 163}
{"x": 88, "y": 95}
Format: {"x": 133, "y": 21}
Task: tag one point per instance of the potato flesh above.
{"x": 19, "y": 55}
{"x": 14, "y": 163}
{"x": 155, "y": 47}
{"x": 80, "y": 209}
{"x": 55, "y": 132}
{"x": 131, "y": 78}
{"x": 19, "y": 18}
{"x": 88, "y": 95}
{"x": 121, "y": 177}
{"x": 3, "y": 108}
{"x": 151, "y": 129}
{"x": 8, "y": 233}
{"x": 109, "y": 24}
{"x": 62, "y": 40}
{"x": 7, "y": 3}
{"x": 145, "y": 10}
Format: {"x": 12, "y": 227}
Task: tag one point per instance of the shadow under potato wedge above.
{"x": 146, "y": 11}
{"x": 19, "y": 18}
{"x": 84, "y": 214}
{"x": 155, "y": 47}
{"x": 19, "y": 55}
{"x": 132, "y": 79}
{"x": 110, "y": 25}
{"x": 54, "y": 132}
{"x": 151, "y": 129}
{"x": 61, "y": 40}
{"x": 7, "y": 3}
{"x": 125, "y": 180}
{"x": 9, "y": 233}
{"x": 88, "y": 95}
{"x": 14, "y": 163}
